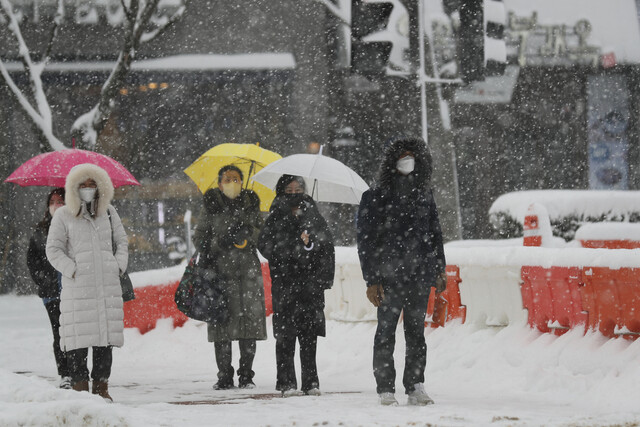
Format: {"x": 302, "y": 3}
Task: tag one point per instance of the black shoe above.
{"x": 223, "y": 385}
{"x": 246, "y": 383}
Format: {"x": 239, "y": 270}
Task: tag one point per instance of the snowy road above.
{"x": 478, "y": 377}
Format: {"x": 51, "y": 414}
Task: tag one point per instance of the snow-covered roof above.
{"x": 561, "y": 203}
{"x": 614, "y": 23}
{"x": 204, "y": 62}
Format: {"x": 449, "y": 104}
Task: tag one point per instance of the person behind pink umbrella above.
{"x": 47, "y": 280}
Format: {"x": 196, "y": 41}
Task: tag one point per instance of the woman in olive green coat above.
{"x": 226, "y": 236}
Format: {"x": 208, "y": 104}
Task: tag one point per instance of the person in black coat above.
{"x": 402, "y": 257}
{"x": 299, "y": 247}
{"x": 47, "y": 280}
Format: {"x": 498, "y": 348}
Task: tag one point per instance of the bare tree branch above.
{"x": 57, "y": 21}
{"x": 127, "y": 12}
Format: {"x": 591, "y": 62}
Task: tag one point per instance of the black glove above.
{"x": 237, "y": 234}
{"x": 226, "y": 241}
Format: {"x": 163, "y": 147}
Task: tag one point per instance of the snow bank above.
{"x": 477, "y": 376}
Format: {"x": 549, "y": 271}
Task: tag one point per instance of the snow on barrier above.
{"x": 610, "y": 235}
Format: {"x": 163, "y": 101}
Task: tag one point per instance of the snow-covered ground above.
{"x": 493, "y": 377}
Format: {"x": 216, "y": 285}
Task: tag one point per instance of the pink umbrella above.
{"x": 51, "y": 169}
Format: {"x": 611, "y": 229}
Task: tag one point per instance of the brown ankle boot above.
{"x": 101, "y": 388}
{"x": 81, "y": 386}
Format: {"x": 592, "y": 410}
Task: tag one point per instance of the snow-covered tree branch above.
{"x": 135, "y": 31}
{"x": 41, "y": 114}
{"x": 141, "y": 24}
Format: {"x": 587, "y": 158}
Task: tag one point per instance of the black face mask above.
{"x": 294, "y": 200}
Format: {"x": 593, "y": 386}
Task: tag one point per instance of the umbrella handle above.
{"x": 246, "y": 185}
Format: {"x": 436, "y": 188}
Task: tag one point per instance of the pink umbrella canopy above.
{"x": 51, "y": 169}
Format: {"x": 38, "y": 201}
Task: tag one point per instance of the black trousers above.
{"x": 223, "y": 360}
{"x": 102, "y": 360}
{"x": 413, "y": 301}
{"x": 53, "y": 310}
{"x": 286, "y": 372}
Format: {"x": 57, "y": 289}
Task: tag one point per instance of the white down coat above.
{"x": 80, "y": 247}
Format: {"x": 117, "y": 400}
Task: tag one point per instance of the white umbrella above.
{"x": 327, "y": 179}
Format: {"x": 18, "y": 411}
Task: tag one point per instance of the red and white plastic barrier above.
{"x": 552, "y": 289}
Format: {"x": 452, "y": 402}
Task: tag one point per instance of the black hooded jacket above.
{"x": 398, "y": 230}
{"x": 299, "y": 274}
{"x": 42, "y": 272}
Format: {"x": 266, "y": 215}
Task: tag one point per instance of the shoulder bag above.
{"x": 200, "y": 294}
{"x": 125, "y": 280}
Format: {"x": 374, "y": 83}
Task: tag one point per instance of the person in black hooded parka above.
{"x": 46, "y": 278}
{"x": 299, "y": 247}
{"x": 402, "y": 257}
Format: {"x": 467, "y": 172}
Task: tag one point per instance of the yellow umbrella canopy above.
{"x": 249, "y": 158}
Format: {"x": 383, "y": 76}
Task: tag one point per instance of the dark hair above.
{"x": 46, "y": 221}
{"x": 286, "y": 180}
{"x": 229, "y": 168}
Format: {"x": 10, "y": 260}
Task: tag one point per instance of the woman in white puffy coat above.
{"x": 80, "y": 246}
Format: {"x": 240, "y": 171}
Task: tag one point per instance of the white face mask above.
{"x": 87, "y": 194}
{"x": 405, "y": 165}
{"x": 231, "y": 189}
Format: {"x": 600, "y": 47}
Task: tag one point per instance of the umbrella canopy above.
{"x": 51, "y": 169}
{"x": 327, "y": 179}
{"x": 249, "y": 158}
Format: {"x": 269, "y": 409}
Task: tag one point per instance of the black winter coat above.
{"x": 299, "y": 276}
{"x": 226, "y": 237}
{"x": 398, "y": 230}
{"x": 42, "y": 272}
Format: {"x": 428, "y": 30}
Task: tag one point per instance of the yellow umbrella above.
{"x": 249, "y": 158}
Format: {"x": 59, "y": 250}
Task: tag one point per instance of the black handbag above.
{"x": 200, "y": 294}
{"x": 125, "y": 280}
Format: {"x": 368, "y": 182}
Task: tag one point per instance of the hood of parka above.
{"x": 423, "y": 163}
{"x": 79, "y": 174}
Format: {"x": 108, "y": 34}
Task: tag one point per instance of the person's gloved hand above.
{"x": 375, "y": 293}
{"x": 241, "y": 233}
{"x": 236, "y": 234}
{"x": 441, "y": 282}
{"x": 227, "y": 240}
